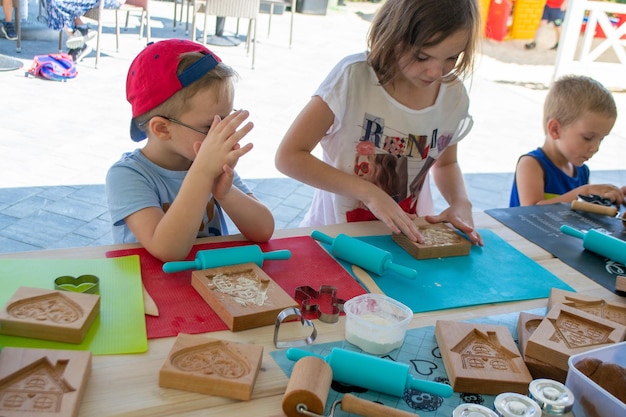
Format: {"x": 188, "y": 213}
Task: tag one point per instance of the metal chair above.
{"x": 180, "y": 18}
{"x": 271, "y": 4}
{"x": 129, "y": 6}
{"x": 240, "y": 9}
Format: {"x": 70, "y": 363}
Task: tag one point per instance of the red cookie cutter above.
{"x": 323, "y": 304}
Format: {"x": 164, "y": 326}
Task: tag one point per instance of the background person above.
{"x": 553, "y": 12}
{"x": 67, "y": 15}
{"x": 7, "y": 28}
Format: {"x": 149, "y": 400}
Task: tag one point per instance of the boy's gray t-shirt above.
{"x": 134, "y": 183}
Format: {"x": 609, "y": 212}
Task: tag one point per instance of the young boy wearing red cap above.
{"x": 178, "y": 186}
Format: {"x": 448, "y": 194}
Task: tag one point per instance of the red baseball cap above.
{"x": 152, "y": 76}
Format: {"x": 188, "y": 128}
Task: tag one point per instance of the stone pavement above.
{"x": 58, "y": 139}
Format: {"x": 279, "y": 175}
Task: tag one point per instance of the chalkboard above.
{"x": 541, "y": 225}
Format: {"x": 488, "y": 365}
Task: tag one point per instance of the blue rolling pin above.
{"x": 372, "y": 372}
{"x": 214, "y": 258}
{"x": 363, "y": 254}
{"x": 600, "y": 243}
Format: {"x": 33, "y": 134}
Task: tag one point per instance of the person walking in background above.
{"x": 7, "y": 28}
{"x": 578, "y": 113}
{"x": 553, "y": 12}
{"x": 182, "y": 183}
{"x": 67, "y": 15}
{"x": 403, "y": 98}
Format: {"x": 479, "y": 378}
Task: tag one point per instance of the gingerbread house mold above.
{"x": 41, "y": 382}
{"x": 478, "y": 349}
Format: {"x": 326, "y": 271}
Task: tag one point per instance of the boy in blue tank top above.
{"x": 578, "y": 113}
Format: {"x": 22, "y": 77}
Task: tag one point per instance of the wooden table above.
{"x": 127, "y": 385}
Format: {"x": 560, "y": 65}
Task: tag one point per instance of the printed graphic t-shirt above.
{"x": 383, "y": 141}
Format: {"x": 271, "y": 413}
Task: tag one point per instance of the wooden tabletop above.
{"x": 127, "y": 385}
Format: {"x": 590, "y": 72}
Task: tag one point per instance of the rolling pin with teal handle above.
{"x": 600, "y": 243}
{"x": 363, "y": 254}
{"x": 372, "y": 372}
{"x": 214, "y": 258}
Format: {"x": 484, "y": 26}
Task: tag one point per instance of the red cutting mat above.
{"x": 182, "y": 310}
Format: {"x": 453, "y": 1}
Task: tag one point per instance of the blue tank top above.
{"x": 556, "y": 182}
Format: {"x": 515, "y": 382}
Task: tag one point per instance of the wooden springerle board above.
{"x": 481, "y": 358}
{"x": 212, "y": 367}
{"x": 42, "y": 382}
{"x": 610, "y": 310}
{"x": 243, "y": 296}
{"x": 61, "y": 316}
{"x": 526, "y": 325}
{"x": 441, "y": 241}
{"x": 567, "y": 331}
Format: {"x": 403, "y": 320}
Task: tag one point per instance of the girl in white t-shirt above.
{"x": 388, "y": 117}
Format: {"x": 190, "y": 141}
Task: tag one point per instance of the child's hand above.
{"x": 609, "y": 191}
{"x": 221, "y": 146}
{"x": 223, "y": 183}
{"x": 461, "y": 218}
{"x": 389, "y": 212}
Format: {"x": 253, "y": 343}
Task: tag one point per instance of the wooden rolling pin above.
{"x": 373, "y": 372}
{"x": 307, "y": 391}
{"x": 594, "y": 208}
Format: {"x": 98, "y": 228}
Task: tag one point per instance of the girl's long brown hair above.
{"x": 402, "y": 25}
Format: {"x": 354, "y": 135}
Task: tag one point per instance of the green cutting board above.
{"x": 119, "y": 328}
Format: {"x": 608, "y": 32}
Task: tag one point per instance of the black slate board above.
{"x": 541, "y": 225}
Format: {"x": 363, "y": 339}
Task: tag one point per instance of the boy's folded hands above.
{"x": 221, "y": 147}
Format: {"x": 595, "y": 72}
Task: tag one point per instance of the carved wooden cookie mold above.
{"x": 567, "y": 331}
{"x": 60, "y": 316}
{"x": 440, "y": 241}
{"x": 526, "y": 325}
{"x": 243, "y": 296}
{"x": 40, "y": 382}
{"x": 211, "y": 366}
{"x": 610, "y": 310}
{"x": 481, "y": 358}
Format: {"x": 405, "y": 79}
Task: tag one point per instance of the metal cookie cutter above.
{"x": 290, "y": 312}
{"x": 328, "y": 306}
{"x": 87, "y": 284}
{"x": 596, "y": 199}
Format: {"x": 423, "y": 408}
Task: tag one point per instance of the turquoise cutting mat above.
{"x": 119, "y": 328}
{"x": 494, "y": 273}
